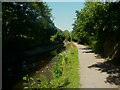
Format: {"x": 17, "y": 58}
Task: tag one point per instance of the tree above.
{"x": 66, "y": 34}
{"x": 26, "y": 25}
{"x": 96, "y": 24}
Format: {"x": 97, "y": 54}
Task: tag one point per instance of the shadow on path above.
{"x": 108, "y": 67}
{"x": 89, "y": 51}
{"x": 86, "y": 50}
{"x": 112, "y": 70}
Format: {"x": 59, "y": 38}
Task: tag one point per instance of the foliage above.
{"x": 96, "y": 23}
{"x": 26, "y": 26}
{"x": 58, "y": 37}
{"x": 66, "y": 34}
{"x": 63, "y": 70}
{"x": 32, "y": 83}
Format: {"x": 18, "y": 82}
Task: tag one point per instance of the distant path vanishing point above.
{"x": 91, "y": 75}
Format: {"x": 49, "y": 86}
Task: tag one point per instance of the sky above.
{"x": 64, "y": 13}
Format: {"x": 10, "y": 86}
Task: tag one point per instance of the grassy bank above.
{"x": 64, "y": 71}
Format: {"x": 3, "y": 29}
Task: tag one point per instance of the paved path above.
{"x": 91, "y": 76}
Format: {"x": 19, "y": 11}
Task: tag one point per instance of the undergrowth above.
{"x": 64, "y": 72}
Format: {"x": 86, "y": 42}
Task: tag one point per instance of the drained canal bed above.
{"x": 37, "y": 66}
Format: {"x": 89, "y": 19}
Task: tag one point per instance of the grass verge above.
{"x": 64, "y": 71}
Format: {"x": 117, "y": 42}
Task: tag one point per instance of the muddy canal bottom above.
{"x": 41, "y": 66}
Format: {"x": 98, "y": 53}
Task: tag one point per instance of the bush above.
{"x": 65, "y": 64}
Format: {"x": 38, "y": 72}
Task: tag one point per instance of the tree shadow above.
{"x": 111, "y": 69}
{"x": 98, "y": 57}
{"x": 86, "y": 48}
{"x": 88, "y": 51}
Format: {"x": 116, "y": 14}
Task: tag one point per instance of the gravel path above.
{"x": 92, "y": 74}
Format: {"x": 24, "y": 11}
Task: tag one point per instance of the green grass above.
{"x": 64, "y": 70}
{"x": 75, "y": 65}
{"x": 73, "y": 72}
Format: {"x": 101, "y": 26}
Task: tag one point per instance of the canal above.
{"x": 38, "y": 65}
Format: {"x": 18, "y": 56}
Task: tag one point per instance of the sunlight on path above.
{"x": 91, "y": 77}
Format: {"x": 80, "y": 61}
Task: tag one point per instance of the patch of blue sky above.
{"x": 64, "y": 13}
